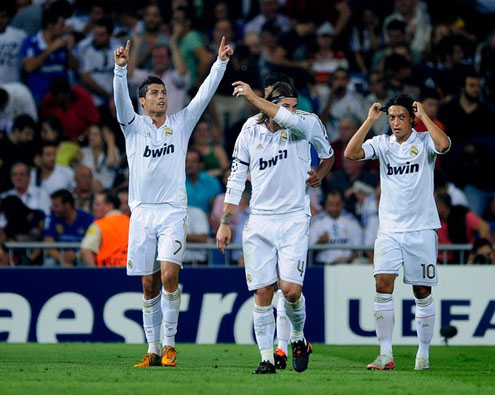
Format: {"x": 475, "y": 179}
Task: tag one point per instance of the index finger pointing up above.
{"x": 222, "y": 43}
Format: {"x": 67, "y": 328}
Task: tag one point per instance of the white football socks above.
{"x": 152, "y": 322}
{"x": 296, "y": 312}
{"x": 170, "y": 308}
{"x": 264, "y": 329}
{"x": 425, "y": 322}
{"x": 384, "y": 320}
{"x": 283, "y": 323}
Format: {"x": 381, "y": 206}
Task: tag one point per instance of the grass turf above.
{"x": 75, "y": 368}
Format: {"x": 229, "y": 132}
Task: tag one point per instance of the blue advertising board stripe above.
{"x": 104, "y": 305}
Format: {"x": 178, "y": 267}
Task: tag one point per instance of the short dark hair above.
{"x": 23, "y": 121}
{"x": 105, "y": 22}
{"x": 111, "y": 198}
{"x": 64, "y": 195}
{"x": 58, "y": 85}
{"x": 395, "y": 62}
{"x": 429, "y": 93}
{"x": 50, "y": 17}
{"x": 9, "y": 7}
{"x": 276, "y": 76}
{"x": 55, "y": 124}
{"x": 151, "y": 79}
{"x": 195, "y": 151}
{"x": 445, "y": 199}
{"x": 47, "y": 144}
{"x": 396, "y": 24}
{"x": 336, "y": 192}
{"x": 403, "y": 101}
{"x": 481, "y": 242}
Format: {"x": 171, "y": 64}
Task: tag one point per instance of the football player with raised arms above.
{"x": 156, "y": 146}
{"x": 408, "y": 218}
{"x": 275, "y": 150}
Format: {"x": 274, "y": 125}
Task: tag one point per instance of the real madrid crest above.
{"x": 130, "y": 264}
{"x": 168, "y": 131}
{"x": 283, "y": 136}
{"x": 248, "y": 277}
{"x": 414, "y": 150}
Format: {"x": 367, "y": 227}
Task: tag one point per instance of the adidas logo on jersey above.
{"x": 259, "y": 146}
{"x": 156, "y": 153}
{"x": 282, "y": 154}
{"x": 404, "y": 169}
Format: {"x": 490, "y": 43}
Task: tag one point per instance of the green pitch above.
{"x": 213, "y": 369}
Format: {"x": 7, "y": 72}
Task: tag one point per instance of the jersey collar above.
{"x": 410, "y": 140}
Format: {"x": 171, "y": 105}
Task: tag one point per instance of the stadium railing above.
{"x": 214, "y": 258}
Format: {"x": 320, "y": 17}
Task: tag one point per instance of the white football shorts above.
{"x": 275, "y": 246}
{"x": 155, "y": 228}
{"x": 417, "y": 251}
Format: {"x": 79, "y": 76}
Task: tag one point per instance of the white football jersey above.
{"x": 278, "y": 162}
{"x": 406, "y": 180}
{"x": 157, "y": 156}
{"x": 344, "y": 230}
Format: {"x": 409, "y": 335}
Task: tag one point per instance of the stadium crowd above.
{"x": 62, "y": 154}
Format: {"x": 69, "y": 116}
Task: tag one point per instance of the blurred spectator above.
{"x": 84, "y": 191}
{"x": 123, "y": 195}
{"x": 83, "y": 23}
{"x": 144, "y": 42}
{"x": 430, "y": 99}
{"x": 366, "y": 39}
{"x": 200, "y": 186}
{"x": 67, "y": 151}
{"x": 340, "y": 101}
{"x": 397, "y": 37}
{"x": 65, "y": 224}
{"x": 294, "y": 47}
{"x": 213, "y": 155}
{"x": 378, "y": 94}
{"x": 415, "y": 14}
{"x": 106, "y": 240}
{"x": 20, "y": 147}
{"x": 398, "y": 71}
{"x": 334, "y": 227}
{"x": 4, "y": 255}
{"x": 442, "y": 186}
{"x": 33, "y": 197}
{"x": 348, "y": 126}
{"x": 326, "y": 60}
{"x": 47, "y": 174}
{"x": 101, "y": 155}
{"x": 485, "y": 57}
{"x": 72, "y": 105}
{"x": 11, "y": 40}
{"x": 459, "y": 226}
{"x": 30, "y": 18}
{"x": 96, "y": 62}
{"x": 197, "y": 232}
{"x": 195, "y": 52}
{"x": 15, "y": 100}
{"x": 482, "y": 253}
{"x": 466, "y": 115}
{"x": 269, "y": 39}
{"x": 169, "y": 65}
{"x": 370, "y": 221}
{"x": 47, "y": 54}
{"x": 269, "y": 13}
{"x": 348, "y": 179}
{"x": 19, "y": 222}
{"x": 128, "y": 23}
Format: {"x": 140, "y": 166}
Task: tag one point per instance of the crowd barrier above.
{"x": 104, "y": 305}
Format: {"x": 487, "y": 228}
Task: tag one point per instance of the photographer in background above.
{"x": 482, "y": 253}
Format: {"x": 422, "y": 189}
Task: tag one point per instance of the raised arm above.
{"x": 207, "y": 89}
{"x": 354, "y": 149}
{"x": 440, "y": 139}
{"x": 123, "y": 104}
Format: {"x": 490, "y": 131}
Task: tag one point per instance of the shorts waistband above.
{"x": 280, "y": 217}
{"x": 159, "y": 206}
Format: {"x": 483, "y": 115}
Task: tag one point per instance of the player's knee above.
{"x": 263, "y": 296}
{"x": 421, "y": 292}
{"x": 384, "y": 284}
{"x": 170, "y": 280}
{"x": 150, "y": 287}
{"x": 292, "y": 292}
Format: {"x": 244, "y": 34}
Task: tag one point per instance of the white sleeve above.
{"x": 24, "y": 101}
{"x": 370, "y": 148}
{"x": 45, "y": 202}
{"x": 319, "y": 140}
{"x": 238, "y": 171}
{"x": 300, "y": 125}
{"x": 123, "y": 104}
{"x": 195, "y": 108}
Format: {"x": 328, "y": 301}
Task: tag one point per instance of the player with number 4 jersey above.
{"x": 408, "y": 218}
{"x": 275, "y": 150}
